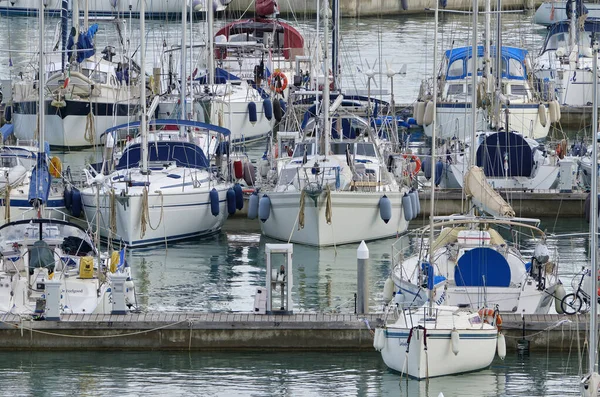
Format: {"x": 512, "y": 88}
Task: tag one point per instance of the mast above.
{"x": 64, "y": 31}
{"x": 335, "y": 50}
{"x": 143, "y": 126}
{"x": 474, "y": 56}
{"x": 433, "y": 143}
{"x": 182, "y": 87}
{"x": 42, "y": 85}
{"x": 210, "y": 20}
{"x": 593, "y": 354}
{"x": 326, "y": 129}
{"x": 498, "y": 68}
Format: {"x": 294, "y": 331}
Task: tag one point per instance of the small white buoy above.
{"x": 455, "y": 338}
{"x": 559, "y": 294}
{"x": 501, "y": 345}
{"x": 388, "y": 290}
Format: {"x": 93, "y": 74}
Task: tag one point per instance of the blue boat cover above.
{"x": 221, "y": 77}
{"x": 496, "y": 147}
{"x": 591, "y": 25}
{"x": 177, "y": 122}
{"x": 480, "y": 267}
{"x": 85, "y": 44}
{"x": 185, "y": 154}
{"x": 6, "y": 130}
{"x": 39, "y": 188}
{"x": 508, "y": 53}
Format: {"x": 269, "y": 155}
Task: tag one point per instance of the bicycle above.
{"x": 579, "y": 300}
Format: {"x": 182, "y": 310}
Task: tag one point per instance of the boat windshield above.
{"x": 303, "y": 147}
{"x": 24, "y": 232}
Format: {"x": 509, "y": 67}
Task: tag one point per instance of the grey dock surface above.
{"x": 248, "y": 331}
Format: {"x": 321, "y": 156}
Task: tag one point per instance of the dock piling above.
{"x": 362, "y": 289}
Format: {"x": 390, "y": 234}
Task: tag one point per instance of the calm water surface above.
{"x": 268, "y": 374}
{"x": 221, "y": 273}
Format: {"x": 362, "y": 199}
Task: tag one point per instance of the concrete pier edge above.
{"x": 247, "y": 331}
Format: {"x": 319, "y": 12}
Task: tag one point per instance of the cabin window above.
{"x": 456, "y": 89}
{"x": 95, "y": 75}
{"x": 9, "y": 162}
{"x": 479, "y": 65}
{"x": 340, "y": 148}
{"x": 518, "y": 89}
{"x": 301, "y": 148}
{"x": 365, "y": 149}
{"x": 555, "y": 41}
{"x": 456, "y": 68}
{"x": 516, "y": 68}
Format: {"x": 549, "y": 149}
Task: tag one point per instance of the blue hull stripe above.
{"x": 167, "y": 206}
{"x": 460, "y": 105}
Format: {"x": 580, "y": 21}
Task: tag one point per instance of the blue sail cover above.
{"x": 64, "y": 30}
{"x": 185, "y": 154}
{"x": 39, "y": 187}
{"x": 464, "y": 54}
{"x": 496, "y": 147}
{"x": 85, "y": 44}
{"x": 221, "y": 77}
{"x": 481, "y": 267}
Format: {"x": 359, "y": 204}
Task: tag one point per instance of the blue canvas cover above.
{"x": 480, "y": 267}
{"x": 496, "y": 147}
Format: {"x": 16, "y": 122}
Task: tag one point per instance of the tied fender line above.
{"x": 328, "y": 209}
{"x": 7, "y": 203}
{"x": 301, "y": 212}
{"x": 145, "y": 217}
{"x": 113, "y": 213}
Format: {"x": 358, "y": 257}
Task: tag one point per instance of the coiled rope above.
{"x": 145, "y": 218}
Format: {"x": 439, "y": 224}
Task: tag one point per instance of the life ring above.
{"x": 491, "y": 316}
{"x": 561, "y": 149}
{"x": 278, "y": 82}
{"x": 417, "y": 160}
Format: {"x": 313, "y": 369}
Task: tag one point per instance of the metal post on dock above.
{"x": 362, "y": 285}
{"x": 118, "y": 293}
{"x": 52, "y": 290}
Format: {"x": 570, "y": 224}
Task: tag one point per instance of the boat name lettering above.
{"x": 74, "y": 291}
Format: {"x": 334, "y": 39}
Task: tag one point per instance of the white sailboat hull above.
{"x": 354, "y": 217}
{"x": 478, "y": 347}
{"x": 172, "y": 217}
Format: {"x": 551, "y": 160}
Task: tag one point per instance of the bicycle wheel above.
{"x": 571, "y": 304}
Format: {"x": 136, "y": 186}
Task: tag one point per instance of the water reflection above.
{"x": 261, "y": 374}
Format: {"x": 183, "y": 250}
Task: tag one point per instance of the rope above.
{"x": 113, "y": 214}
{"x": 301, "y": 213}
{"x": 145, "y": 218}
{"x": 7, "y": 190}
{"x": 22, "y": 327}
{"x": 90, "y": 134}
{"x": 328, "y": 210}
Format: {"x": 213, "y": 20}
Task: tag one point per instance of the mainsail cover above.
{"x": 85, "y": 44}
{"x": 484, "y": 196}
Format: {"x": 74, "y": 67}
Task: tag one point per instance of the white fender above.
{"x": 388, "y": 290}
{"x": 428, "y": 116}
{"x": 553, "y": 110}
{"x": 542, "y": 114}
{"x": 455, "y": 338}
{"x": 419, "y": 112}
{"x": 559, "y": 294}
{"x": 379, "y": 339}
{"x": 501, "y": 345}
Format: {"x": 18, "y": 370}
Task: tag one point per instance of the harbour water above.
{"x": 221, "y": 273}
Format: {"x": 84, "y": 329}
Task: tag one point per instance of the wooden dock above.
{"x": 248, "y": 331}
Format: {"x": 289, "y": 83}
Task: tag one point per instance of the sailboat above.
{"x": 433, "y": 340}
{"x": 217, "y": 96}
{"x": 335, "y": 188}
{"x": 85, "y": 94}
{"x": 163, "y": 189}
{"x": 42, "y": 251}
{"x": 503, "y": 81}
